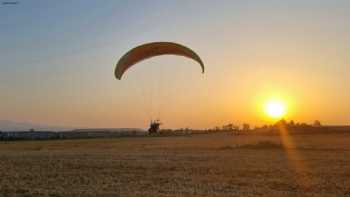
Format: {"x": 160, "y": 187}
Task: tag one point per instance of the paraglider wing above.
{"x": 149, "y": 50}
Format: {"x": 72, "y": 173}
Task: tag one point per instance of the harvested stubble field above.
{"x": 198, "y": 165}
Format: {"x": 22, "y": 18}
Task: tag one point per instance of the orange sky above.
{"x": 59, "y": 70}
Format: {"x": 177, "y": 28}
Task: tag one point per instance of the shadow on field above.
{"x": 264, "y": 145}
{"x": 259, "y": 145}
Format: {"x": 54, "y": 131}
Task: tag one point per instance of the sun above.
{"x": 275, "y": 109}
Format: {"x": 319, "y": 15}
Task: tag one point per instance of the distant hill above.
{"x": 338, "y": 127}
{"x": 109, "y": 130}
{"x": 8, "y": 125}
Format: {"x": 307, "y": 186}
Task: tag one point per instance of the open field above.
{"x": 199, "y": 165}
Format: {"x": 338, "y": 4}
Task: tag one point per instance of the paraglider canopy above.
{"x": 153, "y": 49}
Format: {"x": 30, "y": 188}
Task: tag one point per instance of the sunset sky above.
{"x": 57, "y": 62}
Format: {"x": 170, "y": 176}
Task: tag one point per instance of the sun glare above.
{"x": 275, "y": 109}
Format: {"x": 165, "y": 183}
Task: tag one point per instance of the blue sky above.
{"x": 57, "y": 61}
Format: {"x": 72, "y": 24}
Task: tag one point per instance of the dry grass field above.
{"x": 198, "y": 165}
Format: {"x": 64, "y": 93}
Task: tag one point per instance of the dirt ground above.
{"x": 198, "y": 165}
